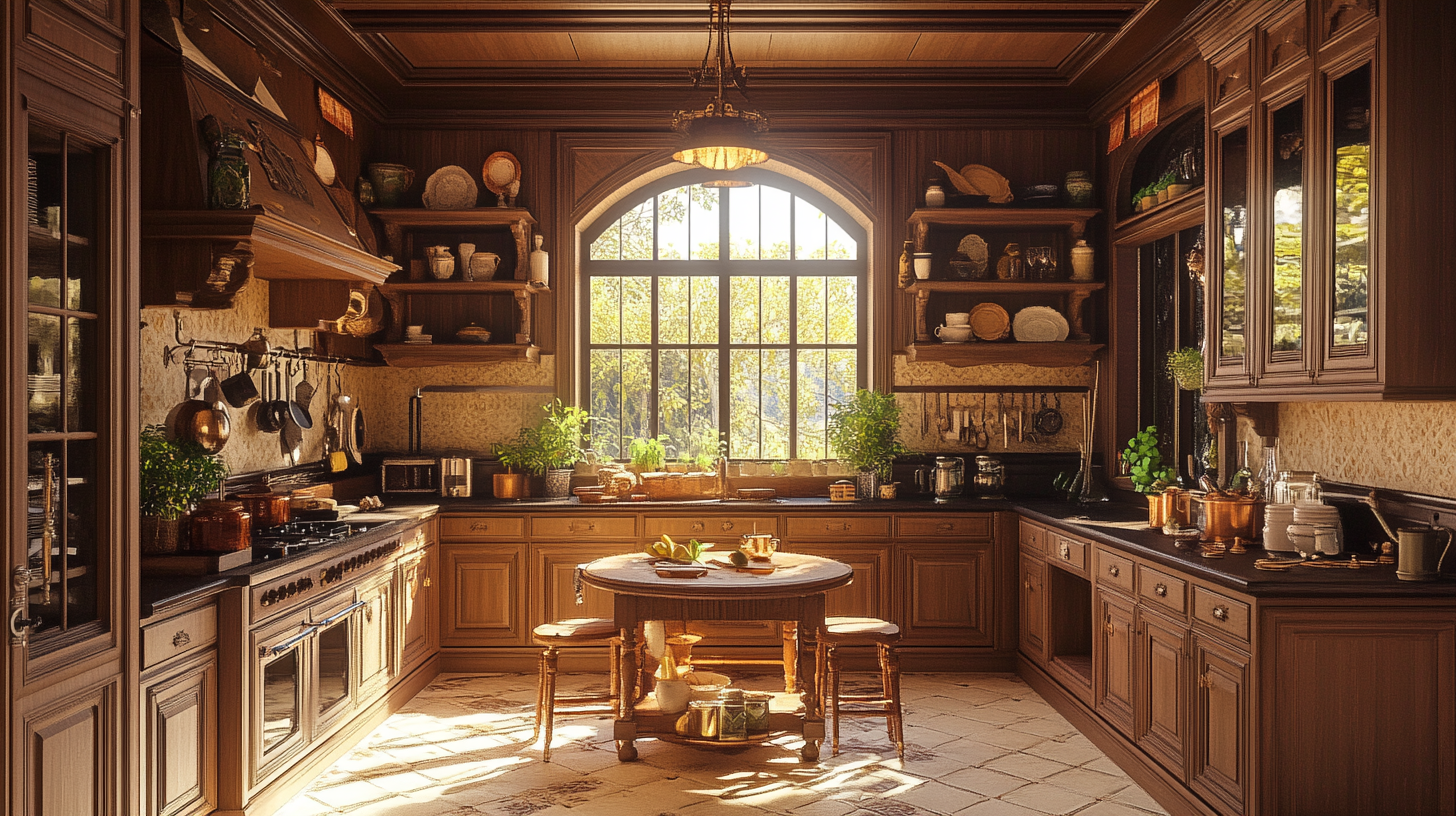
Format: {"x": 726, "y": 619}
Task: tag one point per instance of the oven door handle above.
{"x": 338, "y": 616}
{"x": 273, "y": 651}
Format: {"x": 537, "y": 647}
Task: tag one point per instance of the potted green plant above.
{"x": 515, "y": 457}
{"x": 175, "y": 475}
{"x": 647, "y": 455}
{"x": 1149, "y": 475}
{"x": 549, "y": 449}
{"x": 1186, "y": 367}
{"x": 1161, "y": 188}
{"x": 865, "y": 432}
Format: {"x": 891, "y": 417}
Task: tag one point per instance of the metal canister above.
{"x": 756, "y": 704}
{"x": 221, "y": 527}
{"x": 701, "y": 721}
{"x": 732, "y": 716}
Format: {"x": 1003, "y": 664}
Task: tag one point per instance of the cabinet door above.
{"x": 1283, "y": 342}
{"x": 483, "y": 595}
{"x": 1033, "y": 608}
{"x": 1219, "y": 759}
{"x": 1346, "y": 265}
{"x": 1162, "y": 690}
{"x": 949, "y": 594}
{"x": 376, "y": 636}
{"x": 180, "y": 741}
{"x": 1229, "y": 335}
{"x": 418, "y": 633}
{"x": 553, "y": 579}
{"x": 1113, "y": 669}
{"x": 868, "y": 595}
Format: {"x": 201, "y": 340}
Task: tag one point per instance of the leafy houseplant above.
{"x": 175, "y": 475}
{"x": 550, "y": 449}
{"x": 1149, "y": 475}
{"x": 647, "y": 455}
{"x": 1186, "y": 367}
{"x": 864, "y": 431}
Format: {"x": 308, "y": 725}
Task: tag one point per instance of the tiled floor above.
{"x": 976, "y": 745}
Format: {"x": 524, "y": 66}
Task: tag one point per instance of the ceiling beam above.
{"x": 383, "y": 16}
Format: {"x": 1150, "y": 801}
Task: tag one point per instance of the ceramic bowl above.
{"x": 953, "y": 334}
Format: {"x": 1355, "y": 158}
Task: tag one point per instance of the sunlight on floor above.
{"x": 976, "y": 744}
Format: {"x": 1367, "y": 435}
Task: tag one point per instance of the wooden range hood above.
{"x": 296, "y": 229}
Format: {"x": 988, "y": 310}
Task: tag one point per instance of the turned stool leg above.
{"x": 616, "y": 660}
{"x": 834, "y": 696}
{"x": 897, "y": 719}
{"x": 790, "y": 633}
{"x": 550, "y": 699}
{"x": 540, "y": 695}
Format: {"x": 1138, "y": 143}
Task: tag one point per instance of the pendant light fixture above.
{"x": 720, "y": 135}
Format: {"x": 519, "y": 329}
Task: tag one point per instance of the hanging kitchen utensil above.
{"x": 240, "y": 389}
{"x": 272, "y": 413}
{"x": 257, "y": 349}
{"x": 335, "y": 457}
{"x": 303, "y": 395}
{"x": 291, "y": 439}
{"x": 212, "y": 427}
{"x": 1048, "y": 421}
{"x": 296, "y": 410}
{"x": 354, "y": 436}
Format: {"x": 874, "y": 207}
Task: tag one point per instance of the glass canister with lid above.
{"x": 1295, "y": 486}
{"x": 221, "y": 527}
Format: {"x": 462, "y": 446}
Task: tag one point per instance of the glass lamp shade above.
{"x": 721, "y": 143}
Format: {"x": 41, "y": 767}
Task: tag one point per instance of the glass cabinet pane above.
{"x": 280, "y": 700}
{"x": 1286, "y": 135}
{"x": 1234, "y": 196}
{"x": 333, "y": 666}
{"x": 1350, "y": 113}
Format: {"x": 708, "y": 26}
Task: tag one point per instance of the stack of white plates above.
{"x": 1039, "y": 324}
{"x": 419, "y": 339}
{"x": 1323, "y": 515}
{"x": 1277, "y": 518}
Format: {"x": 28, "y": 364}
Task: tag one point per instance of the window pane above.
{"x": 637, "y": 233}
{"x": 606, "y": 310}
{"x": 743, "y": 415}
{"x": 672, "y": 225}
{"x": 80, "y": 387}
{"x": 776, "y": 404}
{"x": 1351, "y": 258}
{"x": 703, "y": 415}
{"x": 672, "y": 397}
{"x": 841, "y": 246}
{"x": 843, "y": 310}
{"x": 775, "y": 309}
{"x": 45, "y": 169}
{"x": 742, "y": 310}
{"x": 811, "y": 309}
{"x": 1286, "y": 130}
{"x": 773, "y": 222}
{"x": 705, "y": 224}
{"x": 809, "y": 231}
{"x": 687, "y": 399}
{"x": 608, "y": 245}
{"x": 43, "y": 381}
{"x": 743, "y": 223}
{"x": 704, "y": 315}
{"x": 672, "y": 309}
{"x": 841, "y": 380}
{"x": 812, "y": 407}
{"x": 606, "y": 403}
{"x": 637, "y": 310}
{"x": 636, "y": 394}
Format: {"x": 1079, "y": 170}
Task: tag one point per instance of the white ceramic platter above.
{"x": 1039, "y": 324}
{"x": 450, "y": 188}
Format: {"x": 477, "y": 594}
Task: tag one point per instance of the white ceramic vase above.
{"x": 1082, "y": 261}
{"x": 540, "y": 263}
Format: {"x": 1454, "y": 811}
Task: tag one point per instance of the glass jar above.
{"x": 227, "y": 175}
{"x": 732, "y": 716}
{"x": 1294, "y": 486}
{"x": 221, "y": 527}
{"x": 756, "y": 704}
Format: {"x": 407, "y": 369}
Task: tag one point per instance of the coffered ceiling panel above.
{"x": 481, "y": 48}
{"x": 1002, "y": 48}
{"x": 841, "y": 46}
{"x": 678, "y": 47}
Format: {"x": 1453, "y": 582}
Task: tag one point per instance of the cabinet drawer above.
{"x": 1069, "y": 552}
{"x": 713, "y": 527}
{"x": 581, "y": 527}
{"x": 975, "y": 526}
{"x": 1162, "y": 590}
{"x": 1033, "y": 538}
{"x": 483, "y": 528}
{"x": 1221, "y": 613}
{"x": 178, "y": 635}
{"x": 1113, "y": 570}
{"x": 811, "y": 528}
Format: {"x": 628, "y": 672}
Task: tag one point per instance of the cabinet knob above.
{"x": 1065, "y": 550}
{"x": 1114, "y": 570}
{"x": 726, "y": 526}
{"x": 181, "y": 639}
{"x": 1111, "y": 629}
{"x": 428, "y": 582}
{"x": 1029, "y": 587}
{"x": 1205, "y": 680}
{"x": 1220, "y": 613}
{"x": 946, "y": 527}
{"x": 1161, "y": 590}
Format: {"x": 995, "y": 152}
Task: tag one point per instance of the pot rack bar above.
{"x": 170, "y": 354}
{"x": 990, "y": 389}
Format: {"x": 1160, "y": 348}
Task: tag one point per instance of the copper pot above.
{"x": 1228, "y": 517}
{"x": 1157, "y": 511}
{"x": 221, "y": 527}
{"x": 1177, "y": 507}
{"x": 509, "y": 486}
{"x": 267, "y": 509}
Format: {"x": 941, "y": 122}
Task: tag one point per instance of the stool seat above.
{"x": 848, "y": 630}
{"x": 576, "y": 629}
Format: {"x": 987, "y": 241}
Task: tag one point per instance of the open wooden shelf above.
{"x": 1191, "y": 200}
{"x": 408, "y": 355}
{"x": 1003, "y": 217}
{"x": 417, "y": 217}
{"x": 462, "y": 287}
{"x": 1045, "y": 355}
{"x": 1004, "y": 286}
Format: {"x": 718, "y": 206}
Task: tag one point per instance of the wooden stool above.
{"x": 572, "y": 632}
{"x": 883, "y": 635}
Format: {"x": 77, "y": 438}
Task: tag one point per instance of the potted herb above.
{"x": 864, "y": 431}
{"x": 175, "y": 475}
{"x": 1149, "y": 475}
{"x": 1161, "y": 188}
{"x": 647, "y": 455}
{"x": 549, "y": 449}
{"x": 511, "y": 485}
{"x": 1186, "y": 367}
{"x": 1148, "y": 196}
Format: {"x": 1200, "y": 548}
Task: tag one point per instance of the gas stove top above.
{"x": 295, "y": 536}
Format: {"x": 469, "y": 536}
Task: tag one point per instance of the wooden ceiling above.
{"x": 813, "y": 56}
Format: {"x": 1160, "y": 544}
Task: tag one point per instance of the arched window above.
{"x": 733, "y": 310}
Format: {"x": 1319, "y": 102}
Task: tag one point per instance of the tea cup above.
{"x": 759, "y": 546}
{"x": 922, "y": 265}
{"x": 414, "y": 331}
{"x": 958, "y": 319}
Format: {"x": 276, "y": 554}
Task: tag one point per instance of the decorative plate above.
{"x": 973, "y": 247}
{"x": 499, "y": 171}
{"x": 1039, "y": 324}
{"x": 323, "y": 163}
{"x": 990, "y": 322}
{"x": 978, "y": 179}
{"x": 450, "y": 188}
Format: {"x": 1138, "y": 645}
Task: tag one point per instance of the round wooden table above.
{"x": 794, "y": 592}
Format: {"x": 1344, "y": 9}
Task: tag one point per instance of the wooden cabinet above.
{"x": 1219, "y": 763}
{"x": 1162, "y": 690}
{"x": 1328, "y": 185}
{"x": 870, "y": 593}
{"x": 1033, "y": 607}
{"x": 941, "y": 232}
{"x": 1115, "y": 675}
{"x": 180, "y": 739}
{"x": 378, "y": 636}
{"x": 949, "y": 594}
{"x": 483, "y": 594}
{"x": 418, "y": 608}
{"x": 553, "y": 582}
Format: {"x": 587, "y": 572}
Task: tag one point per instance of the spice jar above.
{"x": 268, "y": 509}
{"x": 756, "y": 703}
{"x": 732, "y": 716}
{"x": 221, "y": 527}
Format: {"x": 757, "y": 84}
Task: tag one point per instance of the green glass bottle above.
{"x": 227, "y": 175}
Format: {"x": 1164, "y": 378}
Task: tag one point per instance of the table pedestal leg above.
{"x": 791, "y": 656}
{"x": 810, "y": 684}
{"x": 625, "y": 728}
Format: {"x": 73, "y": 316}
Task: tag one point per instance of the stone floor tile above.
{"x": 1138, "y": 798}
{"x": 1104, "y": 765}
{"x": 1092, "y": 783}
{"x": 1026, "y": 766}
{"x": 984, "y": 781}
{"x": 305, "y": 805}
{"x": 937, "y": 797}
{"x": 1075, "y": 750}
{"x": 998, "y": 807}
{"x": 1111, "y": 809}
{"x": 351, "y": 793}
{"x": 1049, "y": 799}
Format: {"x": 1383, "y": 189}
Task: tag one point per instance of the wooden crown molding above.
{"x": 647, "y": 121}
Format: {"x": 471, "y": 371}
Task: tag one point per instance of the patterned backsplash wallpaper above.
{"x": 1400, "y": 445}
{"x": 920, "y": 431}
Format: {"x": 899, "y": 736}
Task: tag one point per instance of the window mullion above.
{"x": 793, "y": 366}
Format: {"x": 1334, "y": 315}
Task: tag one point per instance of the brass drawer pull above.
{"x": 1114, "y": 571}
{"x": 427, "y": 581}
{"x": 946, "y": 527}
{"x": 581, "y": 527}
{"x": 1111, "y": 630}
{"x": 1220, "y": 613}
{"x": 1161, "y": 590}
{"x": 1065, "y": 550}
{"x": 181, "y": 639}
{"x": 843, "y": 526}
{"x": 479, "y": 526}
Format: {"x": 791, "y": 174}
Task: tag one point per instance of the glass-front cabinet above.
{"x": 1348, "y": 91}
{"x": 1228, "y": 260}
